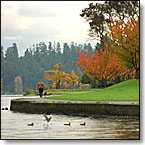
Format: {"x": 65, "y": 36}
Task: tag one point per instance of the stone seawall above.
{"x": 38, "y": 106}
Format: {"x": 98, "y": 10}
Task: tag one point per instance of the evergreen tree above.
{"x": 50, "y": 48}
{"x": 12, "y": 67}
{"x": 58, "y": 48}
{"x": 66, "y": 61}
{"x": 89, "y": 48}
{"x": 2, "y": 62}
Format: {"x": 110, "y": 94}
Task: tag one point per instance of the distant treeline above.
{"x": 36, "y": 60}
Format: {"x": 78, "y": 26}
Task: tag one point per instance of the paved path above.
{"x": 46, "y": 100}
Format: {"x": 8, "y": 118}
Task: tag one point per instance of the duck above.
{"x": 30, "y": 124}
{"x": 67, "y": 124}
{"x": 6, "y": 108}
{"x": 83, "y": 123}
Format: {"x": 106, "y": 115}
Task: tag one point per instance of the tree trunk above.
{"x": 58, "y": 84}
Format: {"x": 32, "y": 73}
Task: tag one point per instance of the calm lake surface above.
{"x": 15, "y": 126}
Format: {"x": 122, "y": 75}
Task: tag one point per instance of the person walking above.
{"x": 40, "y": 87}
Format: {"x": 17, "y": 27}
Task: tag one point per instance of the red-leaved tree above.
{"x": 101, "y": 66}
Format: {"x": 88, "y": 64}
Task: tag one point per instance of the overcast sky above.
{"x": 28, "y": 22}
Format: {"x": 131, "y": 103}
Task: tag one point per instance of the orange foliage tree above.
{"x": 101, "y": 66}
{"x": 125, "y": 44}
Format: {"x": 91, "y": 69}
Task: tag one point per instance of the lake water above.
{"x": 15, "y": 126}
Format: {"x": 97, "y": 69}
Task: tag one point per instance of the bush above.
{"x": 29, "y": 92}
{"x": 86, "y": 80}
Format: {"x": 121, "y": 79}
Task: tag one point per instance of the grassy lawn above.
{"x": 124, "y": 91}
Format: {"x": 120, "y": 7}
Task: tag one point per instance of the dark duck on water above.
{"x": 83, "y": 124}
{"x": 67, "y": 124}
{"x": 30, "y": 124}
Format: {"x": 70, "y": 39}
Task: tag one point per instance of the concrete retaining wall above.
{"x": 69, "y": 108}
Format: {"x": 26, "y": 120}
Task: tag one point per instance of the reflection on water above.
{"x": 14, "y": 126}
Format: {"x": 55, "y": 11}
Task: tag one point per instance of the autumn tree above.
{"x": 57, "y": 76}
{"x": 102, "y": 66}
{"x": 120, "y": 19}
{"x": 98, "y": 15}
{"x": 125, "y": 43}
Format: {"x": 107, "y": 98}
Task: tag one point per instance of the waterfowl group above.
{"x": 83, "y": 124}
{"x": 4, "y": 108}
{"x": 49, "y": 118}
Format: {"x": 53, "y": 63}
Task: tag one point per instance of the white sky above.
{"x": 28, "y": 22}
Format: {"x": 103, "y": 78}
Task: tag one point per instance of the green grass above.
{"x": 124, "y": 91}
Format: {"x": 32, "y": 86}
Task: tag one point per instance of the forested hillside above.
{"x": 36, "y": 60}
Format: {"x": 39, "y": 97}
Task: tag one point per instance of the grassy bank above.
{"x": 124, "y": 91}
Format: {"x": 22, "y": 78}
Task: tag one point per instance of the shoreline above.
{"x": 41, "y": 105}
